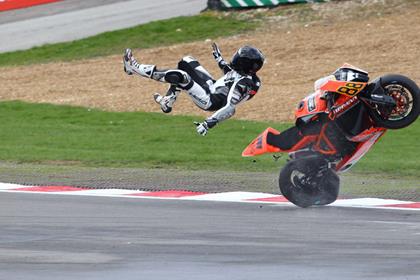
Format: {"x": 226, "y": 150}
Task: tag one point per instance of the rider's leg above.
{"x": 197, "y": 72}
{"x": 172, "y": 76}
{"x": 199, "y": 95}
{"x": 178, "y": 78}
{"x": 198, "y": 90}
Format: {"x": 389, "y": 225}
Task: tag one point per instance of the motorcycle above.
{"x": 334, "y": 128}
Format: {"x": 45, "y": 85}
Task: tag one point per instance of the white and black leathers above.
{"x": 221, "y": 96}
{"x": 229, "y": 91}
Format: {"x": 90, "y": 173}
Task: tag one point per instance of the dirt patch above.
{"x": 299, "y": 50}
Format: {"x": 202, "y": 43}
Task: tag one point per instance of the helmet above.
{"x": 247, "y": 60}
{"x": 350, "y": 73}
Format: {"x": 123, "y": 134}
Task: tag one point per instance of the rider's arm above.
{"x": 224, "y": 66}
{"x": 219, "y": 59}
{"x": 242, "y": 90}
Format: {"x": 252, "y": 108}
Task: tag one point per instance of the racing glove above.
{"x": 216, "y": 53}
{"x": 203, "y": 128}
{"x": 219, "y": 59}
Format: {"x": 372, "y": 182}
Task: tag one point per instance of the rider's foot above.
{"x": 132, "y": 66}
{"x": 127, "y": 60}
{"x": 166, "y": 102}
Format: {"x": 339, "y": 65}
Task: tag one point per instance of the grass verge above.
{"x": 80, "y": 136}
{"x": 153, "y": 34}
{"x": 71, "y": 135}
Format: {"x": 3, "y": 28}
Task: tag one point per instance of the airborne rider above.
{"x": 239, "y": 83}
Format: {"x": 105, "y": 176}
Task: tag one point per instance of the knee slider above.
{"x": 177, "y": 77}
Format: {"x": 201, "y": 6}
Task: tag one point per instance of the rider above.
{"x": 239, "y": 83}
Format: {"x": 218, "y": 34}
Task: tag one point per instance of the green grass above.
{"x": 45, "y": 133}
{"x": 71, "y": 135}
{"x": 397, "y": 152}
{"x": 153, "y": 34}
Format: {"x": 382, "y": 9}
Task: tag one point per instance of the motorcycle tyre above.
{"x": 412, "y": 116}
{"x": 308, "y": 197}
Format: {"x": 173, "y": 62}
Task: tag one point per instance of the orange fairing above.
{"x": 311, "y": 105}
{"x": 347, "y": 88}
{"x": 260, "y": 146}
{"x": 367, "y": 134}
{"x": 361, "y": 149}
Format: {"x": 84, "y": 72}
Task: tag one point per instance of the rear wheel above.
{"x": 308, "y": 181}
{"x": 406, "y": 95}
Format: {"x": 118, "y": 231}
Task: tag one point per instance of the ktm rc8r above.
{"x": 335, "y": 126}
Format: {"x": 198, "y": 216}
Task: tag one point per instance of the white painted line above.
{"x": 367, "y": 202}
{"x": 229, "y": 196}
{"x": 5, "y": 186}
{"x": 102, "y": 192}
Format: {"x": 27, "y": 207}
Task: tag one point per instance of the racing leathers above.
{"x": 221, "y": 96}
{"x": 228, "y": 92}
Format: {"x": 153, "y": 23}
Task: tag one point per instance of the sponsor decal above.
{"x": 259, "y": 143}
{"x": 311, "y": 104}
{"x": 343, "y": 107}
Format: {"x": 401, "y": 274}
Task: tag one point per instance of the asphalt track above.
{"x": 75, "y": 19}
{"x": 71, "y": 237}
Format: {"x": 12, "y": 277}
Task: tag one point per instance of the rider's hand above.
{"x": 202, "y": 128}
{"x": 216, "y": 53}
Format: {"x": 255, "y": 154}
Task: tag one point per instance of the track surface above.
{"x": 76, "y": 19}
{"x": 51, "y": 237}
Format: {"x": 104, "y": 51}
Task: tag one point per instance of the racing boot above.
{"x": 172, "y": 76}
{"x": 132, "y": 66}
{"x": 166, "y": 102}
{"x": 128, "y": 55}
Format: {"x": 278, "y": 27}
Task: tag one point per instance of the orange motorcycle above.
{"x": 335, "y": 126}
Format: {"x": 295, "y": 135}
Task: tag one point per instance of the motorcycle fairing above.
{"x": 326, "y": 140}
{"x": 367, "y": 134}
{"x": 343, "y": 87}
{"x": 260, "y": 146}
{"x": 355, "y": 123}
{"x": 311, "y": 106}
{"x": 342, "y": 105}
{"x": 369, "y": 138}
{"x": 349, "y": 66}
{"x": 316, "y": 103}
{"x": 272, "y": 141}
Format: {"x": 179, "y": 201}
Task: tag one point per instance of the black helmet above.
{"x": 247, "y": 60}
